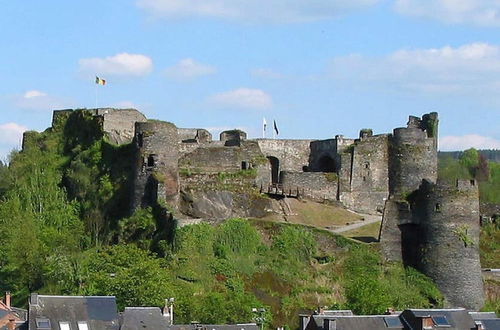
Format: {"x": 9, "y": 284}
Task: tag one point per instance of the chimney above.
{"x": 390, "y": 311}
{"x": 12, "y": 324}
{"x": 6, "y": 299}
{"x": 329, "y": 324}
{"x": 168, "y": 310}
{"x": 34, "y": 299}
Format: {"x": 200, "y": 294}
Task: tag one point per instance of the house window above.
{"x": 82, "y": 325}
{"x": 244, "y": 165}
{"x": 440, "y": 321}
{"x": 64, "y": 325}
{"x": 42, "y": 323}
{"x": 393, "y": 322}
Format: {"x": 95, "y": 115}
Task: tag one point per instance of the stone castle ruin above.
{"x": 427, "y": 225}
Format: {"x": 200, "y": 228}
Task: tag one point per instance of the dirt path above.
{"x": 369, "y": 218}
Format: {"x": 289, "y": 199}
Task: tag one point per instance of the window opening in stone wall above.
{"x": 327, "y": 164}
{"x": 305, "y": 168}
{"x": 364, "y": 178}
{"x": 275, "y": 168}
{"x": 244, "y": 165}
{"x": 437, "y": 207}
{"x": 367, "y": 165}
{"x": 151, "y": 160}
{"x": 472, "y": 182}
{"x": 140, "y": 139}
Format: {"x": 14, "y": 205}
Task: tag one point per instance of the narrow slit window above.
{"x": 140, "y": 139}
{"x": 437, "y": 207}
{"x": 151, "y": 161}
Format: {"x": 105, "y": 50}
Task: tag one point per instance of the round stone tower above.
{"x": 156, "y": 170}
{"x": 413, "y": 157}
{"x": 449, "y": 248}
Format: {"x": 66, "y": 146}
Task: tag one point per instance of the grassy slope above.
{"x": 316, "y": 214}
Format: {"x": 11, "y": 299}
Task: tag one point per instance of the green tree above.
{"x": 134, "y": 276}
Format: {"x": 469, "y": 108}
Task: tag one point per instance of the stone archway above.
{"x": 275, "y": 169}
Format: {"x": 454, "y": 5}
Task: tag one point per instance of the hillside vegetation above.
{"x": 65, "y": 229}
{"x": 473, "y": 165}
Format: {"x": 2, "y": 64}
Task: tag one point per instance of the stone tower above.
{"x": 412, "y": 158}
{"x": 449, "y": 245}
{"x": 156, "y": 175}
{"x": 413, "y": 154}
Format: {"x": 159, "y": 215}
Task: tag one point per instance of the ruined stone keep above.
{"x": 426, "y": 225}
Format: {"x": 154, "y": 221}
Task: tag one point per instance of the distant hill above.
{"x": 490, "y": 154}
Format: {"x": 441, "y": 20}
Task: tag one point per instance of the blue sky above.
{"x": 318, "y": 67}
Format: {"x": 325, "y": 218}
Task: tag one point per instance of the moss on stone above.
{"x": 331, "y": 177}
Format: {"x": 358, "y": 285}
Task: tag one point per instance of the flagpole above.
{"x": 96, "y": 94}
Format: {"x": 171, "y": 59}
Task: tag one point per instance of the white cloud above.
{"x": 243, "y": 98}
{"x": 471, "y": 68}
{"x": 123, "y": 64}
{"x": 266, "y": 73}
{"x": 37, "y": 100}
{"x": 10, "y": 138}
{"x": 274, "y": 11}
{"x": 454, "y": 143}
{"x": 188, "y": 68}
{"x": 33, "y": 93}
{"x": 477, "y": 12}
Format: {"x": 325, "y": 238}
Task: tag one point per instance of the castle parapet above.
{"x": 233, "y": 137}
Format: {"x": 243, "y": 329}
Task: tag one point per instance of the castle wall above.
{"x": 450, "y": 244}
{"x": 293, "y": 155}
{"x": 365, "y": 186}
{"x": 156, "y": 171}
{"x": 396, "y": 213}
{"x": 317, "y": 186}
{"x": 321, "y": 149}
{"x": 190, "y": 135}
{"x": 117, "y": 124}
{"x": 214, "y": 157}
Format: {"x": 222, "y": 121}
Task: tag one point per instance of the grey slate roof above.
{"x": 359, "y": 322}
{"x": 100, "y": 313}
{"x": 143, "y": 318}
{"x": 491, "y": 324}
{"x": 459, "y": 319}
{"x": 248, "y": 326}
{"x": 410, "y": 319}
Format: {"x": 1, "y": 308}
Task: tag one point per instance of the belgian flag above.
{"x": 100, "y": 81}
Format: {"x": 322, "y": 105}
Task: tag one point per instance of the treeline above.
{"x": 471, "y": 164}
{"x": 490, "y": 154}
